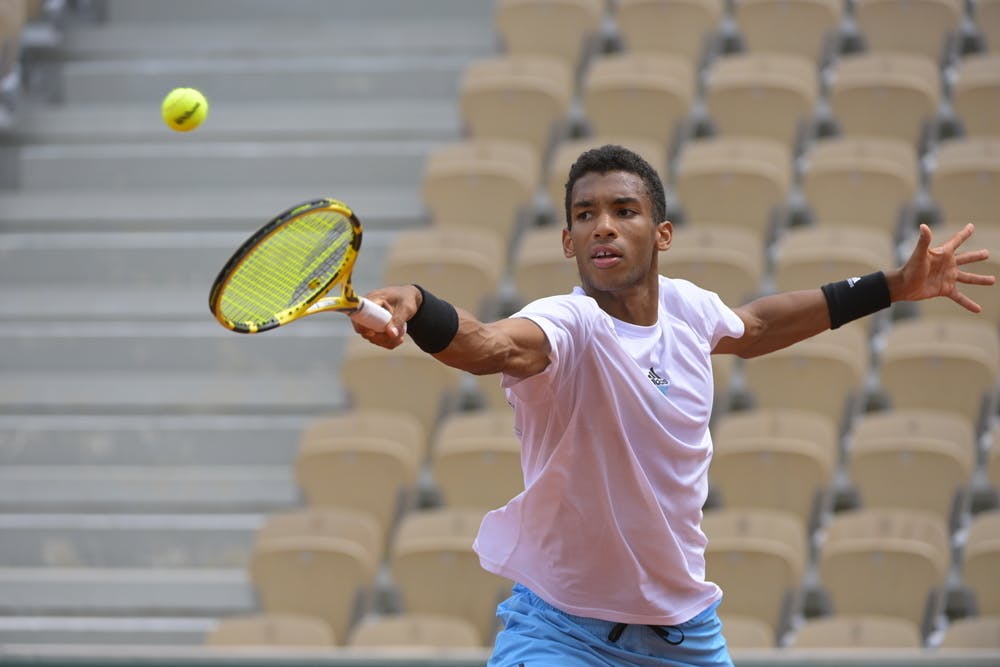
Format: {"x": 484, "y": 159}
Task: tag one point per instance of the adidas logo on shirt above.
{"x": 662, "y": 383}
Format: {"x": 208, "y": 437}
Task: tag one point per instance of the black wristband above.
{"x": 434, "y": 325}
{"x": 855, "y": 298}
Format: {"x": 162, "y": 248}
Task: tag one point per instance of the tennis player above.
{"x": 611, "y": 387}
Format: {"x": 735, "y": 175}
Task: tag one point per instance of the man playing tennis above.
{"x": 611, "y": 387}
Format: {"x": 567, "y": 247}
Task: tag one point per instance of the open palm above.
{"x": 931, "y": 272}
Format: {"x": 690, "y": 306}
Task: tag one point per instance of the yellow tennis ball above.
{"x": 184, "y": 109}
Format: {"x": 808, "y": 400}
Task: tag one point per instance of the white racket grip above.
{"x": 371, "y": 315}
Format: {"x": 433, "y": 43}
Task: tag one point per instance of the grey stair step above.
{"x": 158, "y": 489}
{"x": 232, "y": 81}
{"x": 169, "y": 393}
{"x": 186, "y": 162}
{"x": 209, "y": 209}
{"x": 149, "y": 439}
{"x": 127, "y": 540}
{"x": 170, "y": 592}
{"x": 52, "y": 631}
{"x": 201, "y": 10}
{"x": 399, "y": 119}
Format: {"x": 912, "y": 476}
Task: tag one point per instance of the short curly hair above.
{"x": 609, "y": 158}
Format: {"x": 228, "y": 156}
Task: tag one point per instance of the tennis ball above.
{"x": 184, "y": 109}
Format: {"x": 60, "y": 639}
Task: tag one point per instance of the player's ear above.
{"x": 567, "y": 243}
{"x": 664, "y": 235}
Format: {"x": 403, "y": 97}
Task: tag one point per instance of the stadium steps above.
{"x": 49, "y": 632}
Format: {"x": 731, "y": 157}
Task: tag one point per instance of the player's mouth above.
{"x": 604, "y": 257}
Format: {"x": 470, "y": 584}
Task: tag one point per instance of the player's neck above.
{"x": 637, "y": 305}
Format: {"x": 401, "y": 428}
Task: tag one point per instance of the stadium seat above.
{"x": 987, "y": 15}
{"x": 725, "y": 259}
{"x": 414, "y": 631}
{"x": 691, "y": 24}
{"x": 892, "y": 95}
{"x": 946, "y": 365}
{"x": 856, "y": 631}
{"x": 405, "y": 379}
{"x": 642, "y": 95}
{"x": 975, "y": 96}
{"x": 740, "y": 182}
{"x": 862, "y": 181}
{"x": 476, "y": 460}
{"x": 520, "y": 98}
{"x": 567, "y": 151}
{"x": 965, "y": 182}
{"x": 973, "y": 632}
{"x": 763, "y": 95}
{"x": 371, "y": 472}
{"x": 270, "y": 630}
{"x": 539, "y": 267}
{"x": 319, "y": 564}
{"x": 776, "y": 459}
{"x": 804, "y": 28}
{"x": 377, "y": 424}
{"x": 435, "y": 570}
{"x": 993, "y": 462}
{"x": 460, "y": 263}
{"x": 885, "y": 562}
{"x": 981, "y": 561}
{"x": 742, "y": 631}
{"x": 488, "y": 183}
{"x": 928, "y": 455}
{"x": 807, "y": 257}
{"x": 824, "y": 374}
{"x": 922, "y": 27}
{"x": 563, "y": 29}
{"x": 757, "y": 557}
{"x": 987, "y": 296}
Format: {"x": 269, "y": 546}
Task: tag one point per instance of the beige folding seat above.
{"x": 885, "y": 95}
{"x": 976, "y": 93}
{"x": 567, "y": 151}
{"x": 981, "y": 561}
{"x": 757, "y": 557}
{"x": 397, "y": 426}
{"x": 409, "y": 631}
{"x": 477, "y": 459}
{"x": 435, "y": 570}
{"x": 643, "y": 95}
{"x": 488, "y": 183}
{"x": 973, "y": 632}
{"x": 288, "y": 630}
{"x": 965, "y": 182}
{"x": 360, "y": 465}
{"x": 539, "y": 267}
{"x": 742, "y": 631}
{"x": 987, "y": 296}
{"x": 725, "y": 259}
{"x": 316, "y": 563}
{"x": 987, "y": 15}
{"x": 563, "y": 29}
{"x": 824, "y": 374}
{"x": 460, "y": 263}
{"x": 911, "y": 26}
{"x": 774, "y": 459}
{"x": 857, "y": 631}
{"x": 405, "y": 380}
{"x": 808, "y": 257}
{"x": 885, "y": 562}
{"x": 763, "y": 95}
{"x": 516, "y": 97}
{"x": 928, "y": 455}
{"x": 490, "y": 392}
{"x": 691, "y": 25}
{"x": 797, "y": 27}
{"x": 740, "y": 182}
{"x": 948, "y": 365}
{"x": 993, "y": 462}
{"x": 860, "y": 181}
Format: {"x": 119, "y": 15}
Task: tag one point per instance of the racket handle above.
{"x": 371, "y": 315}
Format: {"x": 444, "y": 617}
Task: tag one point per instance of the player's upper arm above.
{"x": 515, "y": 345}
{"x": 740, "y": 346}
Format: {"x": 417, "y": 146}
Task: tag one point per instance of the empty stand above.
{"x": 564, "y": 29}
{"x": 980, "y": 560}
{"x": 987, "y": 15}
{"x": 691, "y": 24}
{"x": 742, "y": 631}
{"x": 924, "y": 27}
{"x": 725, "y": 259}
{"x": 270, "y": 630}
{"x": 973, "y": 632}
{"x": 414, "y": 631}
{"x": 975, "y": 94}
{"x": 857, "y": 631}
{"x": 807, "y": 257}
{"x": 985, "y": 236}
{"x": 539, "y": 266}
{"x": 807, "y": 28}
{"x": 964, "y": 181}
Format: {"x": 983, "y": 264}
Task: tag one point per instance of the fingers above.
{"x": 960, "y": 237}
{"x": 975, "y": 278}
{"x": 966, "y": 302}
{"x": 972, "y": 256}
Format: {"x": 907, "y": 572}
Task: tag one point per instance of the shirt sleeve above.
{"x": 707, "y": 314}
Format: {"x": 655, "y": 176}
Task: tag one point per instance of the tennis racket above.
{"x": 284, "y": 271}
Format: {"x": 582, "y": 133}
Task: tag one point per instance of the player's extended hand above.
{"x": 931, "y": 272}
{"x": 402, "y": 302}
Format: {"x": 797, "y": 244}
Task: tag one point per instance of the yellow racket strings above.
{"x": 285, "y": 270}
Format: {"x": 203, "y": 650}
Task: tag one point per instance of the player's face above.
{"x": 612, "y": 233}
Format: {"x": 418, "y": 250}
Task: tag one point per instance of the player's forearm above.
{"x": 779, "y": 320}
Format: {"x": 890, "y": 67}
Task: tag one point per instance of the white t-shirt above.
{"x": 615, "y": 454}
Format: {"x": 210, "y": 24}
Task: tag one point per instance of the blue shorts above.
{"x": 536, "y": 634}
